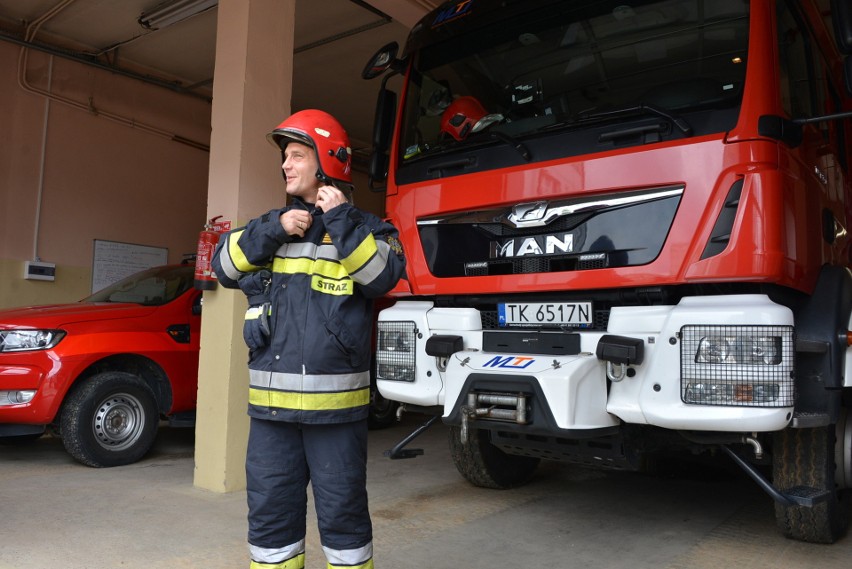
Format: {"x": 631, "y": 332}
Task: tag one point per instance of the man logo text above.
{"x": 533, "y": 246}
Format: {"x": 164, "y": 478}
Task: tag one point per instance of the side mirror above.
{"x": 847, "y": 73}
{"x": 381, "y": 61}
{"x": 382, "y": 133}
{"x": 841, "y": 14}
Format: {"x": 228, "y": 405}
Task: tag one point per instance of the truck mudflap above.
{"x": 800, "y": 495}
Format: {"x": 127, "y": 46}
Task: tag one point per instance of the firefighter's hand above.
{"x": 329, "y": 197}
{"x": 296, "y": 222}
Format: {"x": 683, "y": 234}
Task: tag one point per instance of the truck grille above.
{"x": 620, "y": 230}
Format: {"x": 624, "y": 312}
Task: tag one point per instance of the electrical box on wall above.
{"x": 36, "y": 270}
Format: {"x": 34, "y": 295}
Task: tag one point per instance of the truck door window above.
{"x": 797, "y": 85}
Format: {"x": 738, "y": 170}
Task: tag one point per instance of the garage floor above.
{"x": 56, "y": 513}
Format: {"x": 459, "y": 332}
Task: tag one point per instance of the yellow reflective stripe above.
{"x": 297, "y": 562}
{"x": 321, "y": 267}
{"x": 309, "y": 401}
{"x": 343, "y": 287}
{"x": 238, "y": 258}
{"x": 254, "y": 313}
{"x": 366, "y": 565}
{"x": 330, "y": 269}
{"x": 291, "y": 266}
{"x": 363, "y": 253}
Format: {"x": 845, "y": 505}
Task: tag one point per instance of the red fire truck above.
{"x": 626, "y": 225}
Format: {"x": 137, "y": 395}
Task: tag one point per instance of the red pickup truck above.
{"x": 102, "y": 372}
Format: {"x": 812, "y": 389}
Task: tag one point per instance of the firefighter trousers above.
{"x": 281, "y": 459}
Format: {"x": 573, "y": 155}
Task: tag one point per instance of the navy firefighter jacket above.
{"x": 310, "y": 313}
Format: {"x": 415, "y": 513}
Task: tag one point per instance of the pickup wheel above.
{"x": 110, "y": 419}
{"x": 813, "y": 458}
{"x": 485, "y": 465}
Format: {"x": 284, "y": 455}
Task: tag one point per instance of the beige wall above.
{"x": 101, "y": 179}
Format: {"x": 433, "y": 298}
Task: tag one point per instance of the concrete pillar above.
{"x": 251, "y": 95}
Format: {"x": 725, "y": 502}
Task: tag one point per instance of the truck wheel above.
{"x": 110, "y": 419}
{"x": 811, "y": 457}
{"x": 485, "y": 465}
{"x": 382, "y": 411}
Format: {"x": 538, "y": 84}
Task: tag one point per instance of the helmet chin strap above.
{"x": 325, "y": 179}
{"x": 343, "y": 187}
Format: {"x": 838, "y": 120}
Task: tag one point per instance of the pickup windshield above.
{"x": 151, "y": 287}
{"x": 646, "y": 70}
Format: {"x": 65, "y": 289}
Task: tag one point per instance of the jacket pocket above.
{"x": 346, "y": 343}
{"x": 256, "y": 327}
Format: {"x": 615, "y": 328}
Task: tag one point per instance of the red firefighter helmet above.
{"x": 460, "y": 118}
{"x": 325, "y": 135}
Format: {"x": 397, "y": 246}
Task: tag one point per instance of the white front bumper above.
{"x": 575, "y": 388}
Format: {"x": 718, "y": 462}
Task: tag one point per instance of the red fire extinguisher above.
{"x": 205, "y": 278}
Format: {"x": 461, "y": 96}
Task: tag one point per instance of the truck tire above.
{"x": 484, "y": 465}
{"x": 808, "y": 457}
{"x": 382, "y": 411}
{"x": 110, "y": 419}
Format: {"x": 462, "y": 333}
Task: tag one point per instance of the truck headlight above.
{"x": 749, "y": 366}
{"x": 21, "y": 340}
{"x": 395, "y": 351}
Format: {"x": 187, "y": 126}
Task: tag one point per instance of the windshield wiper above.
{"x": 589, "y": 118}
{"x": 516, "y": 144}
{"x": 679, "y": 122}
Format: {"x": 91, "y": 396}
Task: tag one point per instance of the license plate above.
{"x": 544, "y": 314}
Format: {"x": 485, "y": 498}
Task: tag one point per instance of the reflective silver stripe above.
{"x": 307, "y": 251}
{"x": 227, "y": 263}
{"x": 254, "y": 312}
{"x": 348, "y": 556}
{"x": 375, "y": 266}
{"x": 328, "y": 252}
{"x": 296, "y": 250}
{"x": 278, "y": 554}
{"x": 308, "y": 383}
{"x": 282, "y": 251}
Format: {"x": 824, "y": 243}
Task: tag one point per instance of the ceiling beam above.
{"x": 406, "y": 12}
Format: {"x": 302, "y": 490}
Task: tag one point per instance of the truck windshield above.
{"x": 151, "y": 287}
{"x": 675, "y": 66}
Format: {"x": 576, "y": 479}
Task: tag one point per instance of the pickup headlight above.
{"x": 17, "y": 397}
{"x": 749, "y": 366}
{"x": 28, "y": 340}
{"x": 395, "y": 351}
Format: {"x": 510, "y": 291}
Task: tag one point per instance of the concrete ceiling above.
{"x": 334, "y": 39}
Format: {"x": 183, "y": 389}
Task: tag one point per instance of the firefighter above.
{"x": 310, "y": 271}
